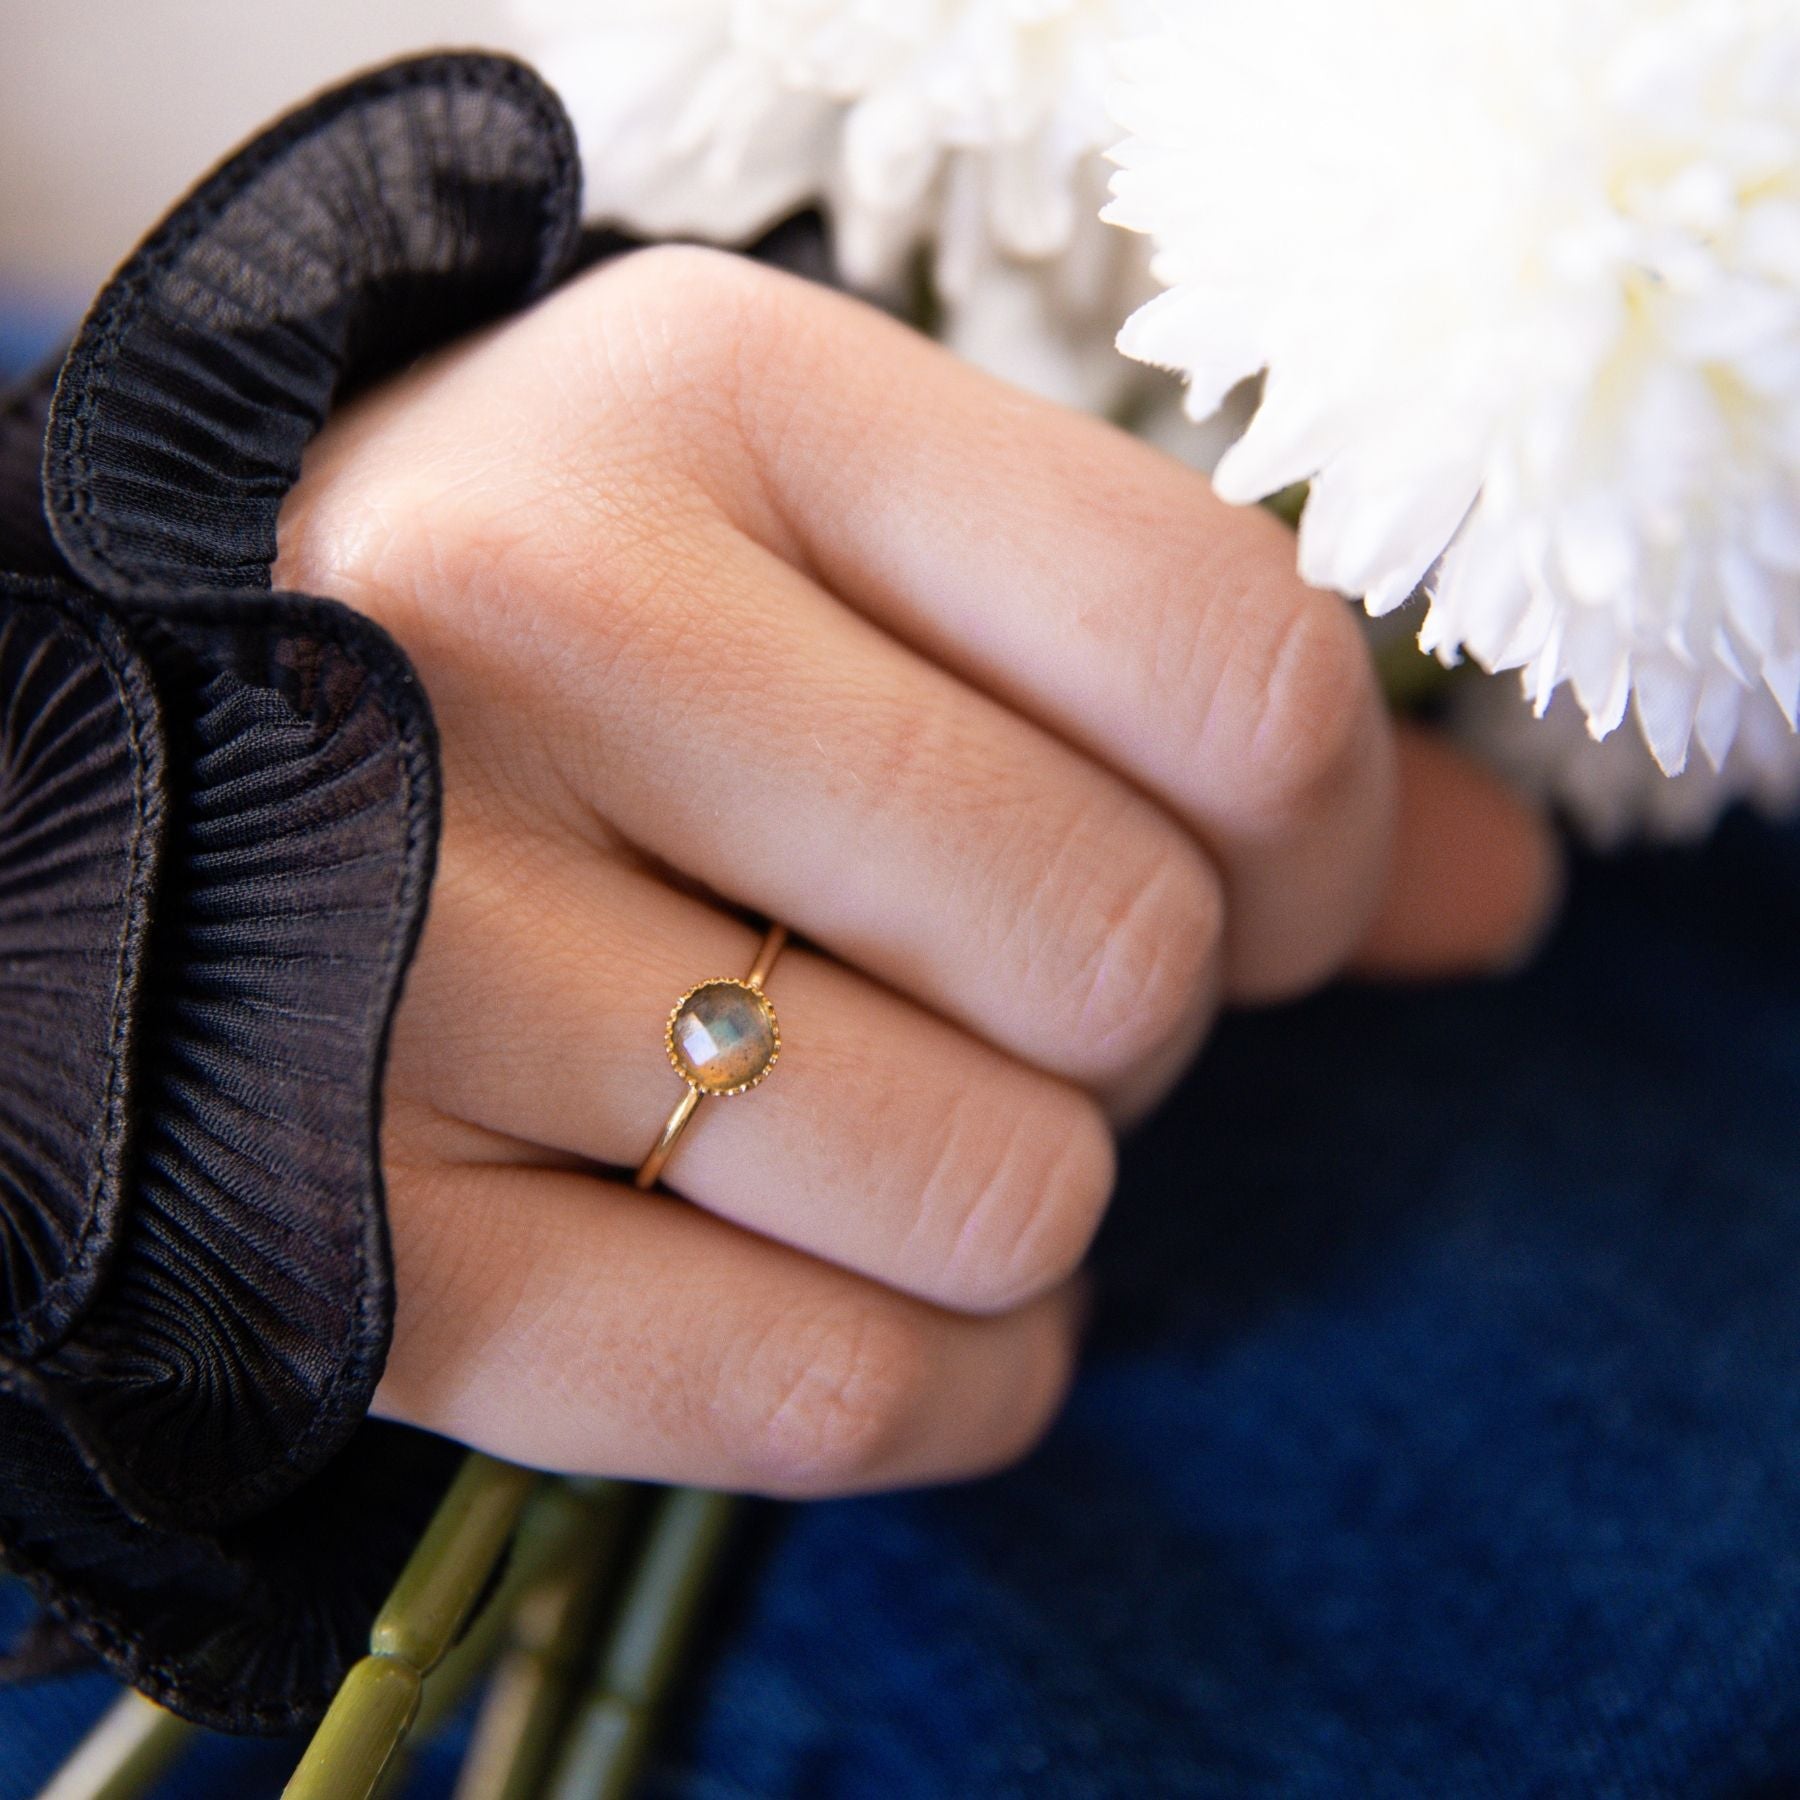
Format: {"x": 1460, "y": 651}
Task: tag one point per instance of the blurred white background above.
{"x": 110, "y": 109}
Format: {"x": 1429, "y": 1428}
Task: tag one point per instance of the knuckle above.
{"x": 915, "y": 755}
{"x": 1152, "y": 939}
{"x": 413, "y": 540}
{"x": 915, "y": 759}
{"x": 1034, "y": 1207}
{"x": 843, "y": 1391}
{"x": 340, "y": 528}
{"x": 1312, "y": 709}
{"x": 703, "y": 279}
{"x": 689, "y": 321}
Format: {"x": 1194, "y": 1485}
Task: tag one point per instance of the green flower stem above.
{"x": 371, "y": 1714}
{"x": 533, "y": 1687}
{"x": 542, "y": 1542}
{"x": 131, "y": 1745}
{"x": 455, "y": 1559}
{"x": 551, "y": 1531}
{"x": 606, "y": 1743}
{"x": 440, "y": 1586}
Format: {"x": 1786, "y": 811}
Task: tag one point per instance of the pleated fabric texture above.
{"x": 218, "y": 813}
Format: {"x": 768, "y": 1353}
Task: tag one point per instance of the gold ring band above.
{"x": 722, "y": 1039}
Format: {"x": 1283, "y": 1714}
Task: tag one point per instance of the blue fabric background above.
{"x": 30, "y": 329}
{"x": 1439, "y": 1432}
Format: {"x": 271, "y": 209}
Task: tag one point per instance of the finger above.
{"x": 737, "y": 723}
{"x": 1475, "y": 875}
{"x": 884, "y": 1139}
{"x": 573, "y": 1324}
{"x": 1078, "y": 575}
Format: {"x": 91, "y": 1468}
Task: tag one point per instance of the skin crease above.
{"x": 733, "y": 597}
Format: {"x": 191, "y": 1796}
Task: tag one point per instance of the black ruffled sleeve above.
{"x": 218, "y": 809}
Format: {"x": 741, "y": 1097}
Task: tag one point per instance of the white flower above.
{"x": 972, "y": 128}
{"x": 1525, "y": 280}
{"x": 1613, "y": 792}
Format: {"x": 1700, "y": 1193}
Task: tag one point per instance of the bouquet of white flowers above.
{"x": 1514, "y": 292}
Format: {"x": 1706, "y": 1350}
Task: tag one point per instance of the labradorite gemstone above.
{"x": 723, "y": 1036}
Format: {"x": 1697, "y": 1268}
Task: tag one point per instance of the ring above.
{"x": 722, "y": 1039}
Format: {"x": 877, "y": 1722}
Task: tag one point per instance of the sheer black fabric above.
{"x": 218, "y": 811}
{"x": 386, "y": 216}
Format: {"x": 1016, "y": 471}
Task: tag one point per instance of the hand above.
{"x": 730, "y": 592}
